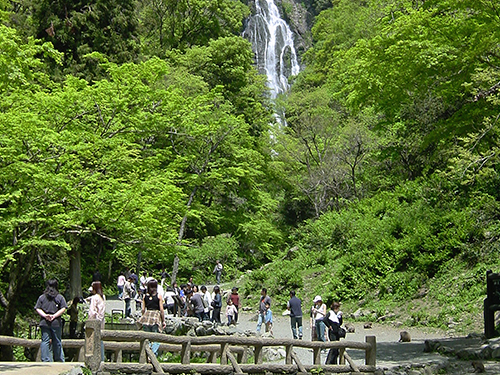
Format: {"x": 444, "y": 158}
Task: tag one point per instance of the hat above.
{"x": 317, "y": 298}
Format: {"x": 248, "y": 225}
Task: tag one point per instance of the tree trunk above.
{"x": 19, "y": 272}
{"x": 75, "y": 274}
{"x": 175, "y": 270}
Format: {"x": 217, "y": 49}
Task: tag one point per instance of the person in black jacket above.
{"x": 216, "y": 304}
{"x": 333, "y": 321}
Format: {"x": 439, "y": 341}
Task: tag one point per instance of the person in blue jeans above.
{"x": 50, "y": 306}
{"x": 319, "y": 312}
{"x": 294, "y": 305}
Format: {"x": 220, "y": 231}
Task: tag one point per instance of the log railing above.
{"x": 230, "y": 349}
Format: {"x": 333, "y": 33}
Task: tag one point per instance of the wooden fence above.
{"x": 230, "y": 350}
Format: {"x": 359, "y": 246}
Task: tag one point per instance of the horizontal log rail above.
{"x": 232, "y": 351}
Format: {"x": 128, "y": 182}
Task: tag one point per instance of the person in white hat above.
{"x": 319, "y": 313}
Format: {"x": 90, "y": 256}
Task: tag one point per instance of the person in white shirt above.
{"x": 207, "y": 298}
{"x": 319, "y": 313}
{"x": 333, "y": 321}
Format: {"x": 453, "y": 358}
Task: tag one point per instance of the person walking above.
{"x": 97, "y": 308}
{"x": 333, "y": 321}
{"x": 264, "y": 300}
{"x": 319, "y": 312}
{"x": 153, "y": 315}
{"x": 218, "y": 271}
{"x": 294, "y": 305}
{"x": 50, "y": 306}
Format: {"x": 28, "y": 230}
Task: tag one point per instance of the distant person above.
{"x": 50, "y": 306}
{"x": 164, "y": 274}
{"x": 196, "y": 302}
{"x": 268, "y": 319}
{"x": 96, "y": 276}
{"x": 264, "y": 300}
{"x": 333, "y": 321}
{"x": 319, "y": 312}
{"x": 294, "y": 305}
{"x": 207, "y": 302}
{"x": 168, "y": 297}
{"x": 73, "y": 317}
{"x": 217, "y": 305}
{"x": 231, "y": 310}
{"x": 97, "y": 308}
{"x": 234, "y": 296}
{"x": 218, "y": 271}
{"x": 120, "y": 283}
{"x": 128, "y": 294}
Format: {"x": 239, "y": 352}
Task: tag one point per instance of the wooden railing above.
{"x": 230, "y": 350}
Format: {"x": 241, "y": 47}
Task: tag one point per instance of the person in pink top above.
{"x": 231, "y": 310}
{"x": 98, "y": 308}
{"x": 120, "y": 283}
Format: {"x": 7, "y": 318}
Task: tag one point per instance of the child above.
{"x": 268, "y": 319}
{"x": 231, "y": 311}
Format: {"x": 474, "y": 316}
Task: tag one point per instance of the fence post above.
{"x": 289, "y": 350}
{"x": 371, "y": 354}
{"x": 258, "y": 355}
{"x": 93, "y": 344}
{"x": 186, "y": 353}
{"x": 223, "y": 353}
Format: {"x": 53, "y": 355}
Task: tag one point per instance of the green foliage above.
{"x": 199, "y": 262}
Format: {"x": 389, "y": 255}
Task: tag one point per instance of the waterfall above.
{"x": 272, "y": 43}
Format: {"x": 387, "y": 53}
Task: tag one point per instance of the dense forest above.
{"x": 136, "y": 132}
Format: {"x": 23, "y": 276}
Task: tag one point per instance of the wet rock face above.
{"x": 300, "y": 16}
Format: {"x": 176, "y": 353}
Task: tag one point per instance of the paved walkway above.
{"x": 36, "y": 368}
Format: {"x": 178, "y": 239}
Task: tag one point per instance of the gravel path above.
{"x": 390, "y": 352}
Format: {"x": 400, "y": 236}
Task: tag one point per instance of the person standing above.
{"x": 333, "y": 321}
{"x": 217, "y": 305}
{"x": 218, "y": 270}
{"x": 120, "y": 283}
{"x": 294, "y": 305}
{"x": 268, "y": 319}
{"x": 153, "y": 315}
{"x": 97, "y": 308}
{"x": 50, "y": 306}
{"x": 128, "y": 295}
{"x": 235, "y": 297}
{"x": 207, "y": 302}
{"x": 164, "y": 274}
{"x": 196, "y": 302}
{"x": 230, "y": 311}
{"x": 319, "y": 312}
{"x": 264, "y": 300}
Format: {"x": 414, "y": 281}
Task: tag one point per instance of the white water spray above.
{"x": 272, "y": 43}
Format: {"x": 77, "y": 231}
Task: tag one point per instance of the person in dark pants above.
{"x": 50, "y": 306}
{"x": 333, "y": 321}
{"x": 217, "y": 305}
{"x": 295, "y": 307}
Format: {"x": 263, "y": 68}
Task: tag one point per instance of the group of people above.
{"x": 51, "y": 305}
{"x": 187, "y": 300}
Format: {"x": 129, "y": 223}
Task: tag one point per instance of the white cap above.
{"x": 317, "y": 298}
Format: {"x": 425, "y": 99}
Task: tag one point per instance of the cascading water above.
{"x": 272, "y": 43}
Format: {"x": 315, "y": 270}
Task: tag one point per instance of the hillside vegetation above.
{"x": 139, "y": 134}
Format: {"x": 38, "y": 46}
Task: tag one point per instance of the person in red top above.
{"x": 235, "y": 297}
